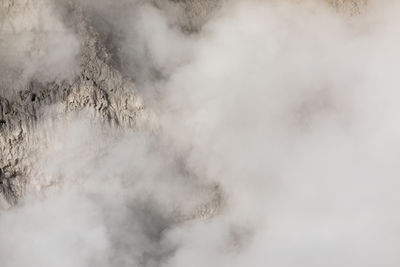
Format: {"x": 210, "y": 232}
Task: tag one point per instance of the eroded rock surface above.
{"x": 97, "y": 87}
{"x": 350, "y": 6}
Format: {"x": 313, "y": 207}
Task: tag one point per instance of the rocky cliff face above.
{"x": 98, "y": 87}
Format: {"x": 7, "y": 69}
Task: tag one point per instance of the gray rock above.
{"x": 98, "y": 87}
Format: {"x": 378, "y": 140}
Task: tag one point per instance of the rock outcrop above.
{"x": 98, "y": 87}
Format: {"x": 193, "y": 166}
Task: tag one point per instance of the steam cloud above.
{"x": 35, "y": 44}
{"x": 287, "y": 108}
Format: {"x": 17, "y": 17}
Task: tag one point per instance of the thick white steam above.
{"x": 34, "y": 44}
{"x": 288, "y": 109}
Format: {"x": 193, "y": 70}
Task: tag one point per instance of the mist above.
{"x": 35, "y": 44}
{"x": 271, "y": 140}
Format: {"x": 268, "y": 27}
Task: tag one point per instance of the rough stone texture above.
{"x": 98, "y": 88}
{"x": 196, "y": 12}
{"x": 352, "y": 7}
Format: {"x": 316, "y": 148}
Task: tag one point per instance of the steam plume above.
{"x": 276, "y": 144}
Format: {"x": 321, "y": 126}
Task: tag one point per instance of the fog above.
{"x": 34, "y": 44}
{"x": 275, "y": 144}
